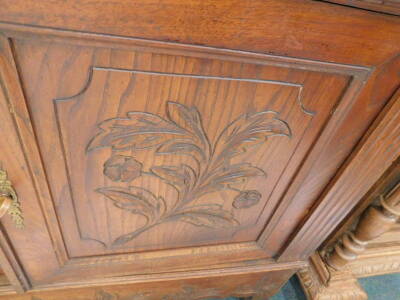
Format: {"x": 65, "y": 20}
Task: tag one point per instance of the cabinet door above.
{"x": 152, "y": 158}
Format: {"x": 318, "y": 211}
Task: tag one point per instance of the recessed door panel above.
{"x": 164, "y": 159}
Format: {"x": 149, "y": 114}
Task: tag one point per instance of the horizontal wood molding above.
{"x": 261, "y": 285}
{"x": 235, "y": 24}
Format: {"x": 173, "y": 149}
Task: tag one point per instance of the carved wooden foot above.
{"x": 341, "y": 286}
{"x": 321, "y": 282}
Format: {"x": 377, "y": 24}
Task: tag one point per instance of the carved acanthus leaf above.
{"x": 138, "y": 131}
{"x": 247, "y": 131}
{"x": 182, "y": 133}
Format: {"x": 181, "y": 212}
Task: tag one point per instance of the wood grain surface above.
{"x": 167, "y": 140}
{"x": 309, "y": 29}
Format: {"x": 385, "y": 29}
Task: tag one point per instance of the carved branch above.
{"x": 182, "y": 133}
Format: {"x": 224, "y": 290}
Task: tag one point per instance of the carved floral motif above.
{"x": 122, "y": 168}
{"x": 182, "y": 133}
{"x": 246, "y": 199}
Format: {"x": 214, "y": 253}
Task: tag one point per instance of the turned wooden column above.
{"x": 374, "y": 222}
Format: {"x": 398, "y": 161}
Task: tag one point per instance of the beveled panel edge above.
{"x": 344, "y": 104}
{"x": 222, "y": 249}
{"x": 135, "y": 266}
{"x": 275, "y": 82}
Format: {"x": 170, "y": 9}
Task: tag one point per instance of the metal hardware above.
{"x": 9, "y": 201}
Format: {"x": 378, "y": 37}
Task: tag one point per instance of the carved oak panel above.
{"x": 149, "y": 150}
{"x": 187, "y": 154}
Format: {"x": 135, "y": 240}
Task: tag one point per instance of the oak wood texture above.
{"x": 385, "y": 6}
{"x": 307, "y": 29}
{"x": 87, "y": 94}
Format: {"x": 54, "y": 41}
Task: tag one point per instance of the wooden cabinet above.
{"x": 187, "y": 149}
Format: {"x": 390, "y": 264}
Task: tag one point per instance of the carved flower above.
{"x": 122, "y": 168}
{"x": 246, "y": 199}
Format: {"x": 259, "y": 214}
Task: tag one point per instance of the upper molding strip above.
{"x": 382, "y": 6}
{"x": 137, "y": 44}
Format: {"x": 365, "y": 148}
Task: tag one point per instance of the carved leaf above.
{"x": 139, "y": 130}
{"x": 135, "y": 200}
{"x": 184, "y": 116}
{"x": 190, "y": 119}
{"x": 122, "y": 168}
{"x": 181, "y": 146}
{"x": 231, "y": 174}
{"x": 208, "y": 215}
{"x": 236, "y": 173}
{"x": 182, "y": 133}
{"x": 248, "y": 131}
{"x": 182, "y": 177}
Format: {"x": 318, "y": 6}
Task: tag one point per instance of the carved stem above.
{"x": 130, "y": 236}
{"x": 376, "y": 221}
